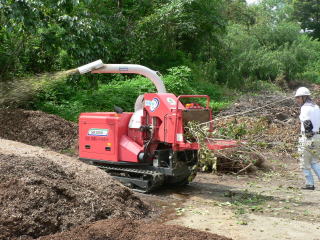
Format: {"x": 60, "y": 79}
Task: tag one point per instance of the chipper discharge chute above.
{"x": 146, "y": 148}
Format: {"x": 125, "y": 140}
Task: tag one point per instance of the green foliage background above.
{"x": 69, "y": 102}
{"x": 200, "y": 46}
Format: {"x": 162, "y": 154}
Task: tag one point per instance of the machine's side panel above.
{"x": 98, "y": 136}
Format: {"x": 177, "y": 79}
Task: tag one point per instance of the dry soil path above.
{"x": 265, "y": 207}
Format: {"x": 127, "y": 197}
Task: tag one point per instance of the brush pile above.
{"x": 261, "y": 123}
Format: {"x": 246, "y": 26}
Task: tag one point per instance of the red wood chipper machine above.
{"x": 146, "y": 148}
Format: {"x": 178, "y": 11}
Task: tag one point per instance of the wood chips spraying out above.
{"x": 14, "y": 92}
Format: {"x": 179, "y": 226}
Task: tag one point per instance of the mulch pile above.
{"x": 125, "y": 229}
{"x": 47, "y": 195}
{"x": 43, "y": 192}
{"x": 38, "y": 129}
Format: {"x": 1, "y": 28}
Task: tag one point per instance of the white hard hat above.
{"x": 302, "y": 91}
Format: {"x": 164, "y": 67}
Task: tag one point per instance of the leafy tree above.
{"x": 272, "y": 48}
{"x": 177, "y": 32}
{"x": 46, "y": 36}
{"x": 275, "y": 11}
{"x": 308, "y": 13}
{"x": 237, "y": 11}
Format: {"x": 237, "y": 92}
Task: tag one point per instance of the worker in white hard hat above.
{"x": 309, "y": 141}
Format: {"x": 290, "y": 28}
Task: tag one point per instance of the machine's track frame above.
{"x": 140, "y": 180}
{"x": 144, "y": 177}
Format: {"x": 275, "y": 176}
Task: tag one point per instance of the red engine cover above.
{"x": 103, "y": 136}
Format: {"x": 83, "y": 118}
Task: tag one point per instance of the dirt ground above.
{"x": 119, "y": 229}
{"x": 265, "y": 206}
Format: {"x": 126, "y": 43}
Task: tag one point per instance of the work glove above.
{"x": 308, "y": 126}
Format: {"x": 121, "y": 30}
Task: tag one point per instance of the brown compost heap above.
{"x": 38, "y": 129}
{"x": 43, "y": 192}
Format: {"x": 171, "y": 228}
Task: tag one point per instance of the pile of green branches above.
{"x": 241, "y": 159}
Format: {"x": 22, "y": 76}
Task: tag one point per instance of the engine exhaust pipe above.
{"x": 90, "y": 66}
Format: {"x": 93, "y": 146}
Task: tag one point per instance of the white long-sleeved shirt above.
{"x": 310, "y": 111}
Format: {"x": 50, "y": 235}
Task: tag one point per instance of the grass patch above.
{"x": 245, "y": 202}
